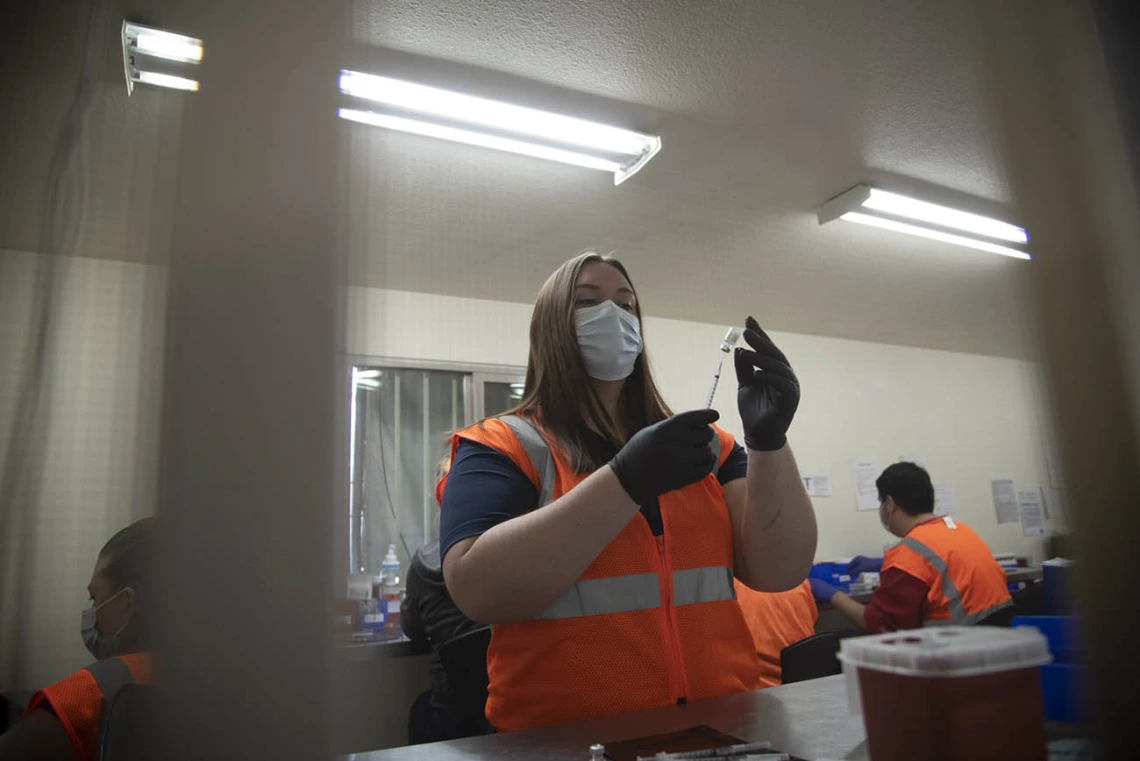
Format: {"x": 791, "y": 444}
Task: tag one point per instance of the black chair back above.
{"x": 813, "y": 657}
{"x": 464, "y": 661}
{"x": 1026, "y": 602}
{"x": 129, "y": 731}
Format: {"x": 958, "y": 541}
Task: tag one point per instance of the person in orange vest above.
{"x": 940, "y": 573}
{"x": 62, "y": 721}
{"x": 776, "y": 620}
{"x": 599, "y": 533}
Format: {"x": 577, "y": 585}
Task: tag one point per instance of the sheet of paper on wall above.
{"x": 1056, "y": 506}
{"x": 1056, "y": 474}
{"x": 1032, "y": 519}
{"x": 946, "y": 500}
{"x": 817, "y": 484}
{"x": 866, "y": 493}
{"x": 1005, "y": 500}
{"x": 917, "y": 459}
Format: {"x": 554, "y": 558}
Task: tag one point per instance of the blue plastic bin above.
{"x": 1061, "y": 633}
{"x": 1055, "y": 580}
{"x": 1063, "y": 690}
{"x": 1063, "y": 682}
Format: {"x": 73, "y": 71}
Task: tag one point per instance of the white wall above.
{"x": 97, "y": 468}
{"x": 973, "y": 417}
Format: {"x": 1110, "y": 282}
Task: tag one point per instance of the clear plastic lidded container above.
{"x": 949, "y": 692}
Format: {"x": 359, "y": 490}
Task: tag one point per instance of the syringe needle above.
{"x": 716, "y": 380}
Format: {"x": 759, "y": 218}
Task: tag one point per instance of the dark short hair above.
{"x": 129, "y": 555}
{"x": 909, "y": 486}
{"x": 129, "y": 559}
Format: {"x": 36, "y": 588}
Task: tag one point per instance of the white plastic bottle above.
{"x": 390, "y": 589}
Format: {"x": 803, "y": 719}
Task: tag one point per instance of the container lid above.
{"x": 947, "y": 651}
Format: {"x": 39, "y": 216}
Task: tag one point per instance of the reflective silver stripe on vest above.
{"x": 981, "y": 615}
{"x": 949, "y": 591}
{"x": 640, "y": 591}
{"x": 711, "y": 584}
{"x": 538, "y": 453}
{"x": 110, "y": 674}
{"x": 971, "y": 619}
{"x": 616, "y": 594}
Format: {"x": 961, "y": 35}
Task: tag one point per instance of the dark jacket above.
{"x": 428, "y": 614}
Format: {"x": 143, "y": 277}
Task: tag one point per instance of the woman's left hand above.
{"x": 769, "y": 392}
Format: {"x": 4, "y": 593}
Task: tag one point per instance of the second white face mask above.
{"x": 610, "y": 340}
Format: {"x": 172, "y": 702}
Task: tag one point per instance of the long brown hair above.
{"x": 559, "y": 391}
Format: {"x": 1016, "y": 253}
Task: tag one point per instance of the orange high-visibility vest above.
{"x": 776, "y": 620}
{"x": 79, "y": 700}
{"x": 966, "y": 584}
{"x": 653, "y": 621}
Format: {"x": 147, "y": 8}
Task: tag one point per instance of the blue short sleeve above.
{"x": 484, "y": 488}
{"x": 736, "y": 466}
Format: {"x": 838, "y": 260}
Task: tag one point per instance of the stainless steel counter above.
{"x": 394, "y": 648}
{"x": 807, "y": 719}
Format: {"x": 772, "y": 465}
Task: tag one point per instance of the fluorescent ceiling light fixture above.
{"x": 892, "y": 211}
{"x": 944, "y": 216}
{"x": 926, "y": 232}
{"x": 172, "y": 47}
{"x": 158, "y": 57}
{"x": 167, "y": 80}
{"x": 431, "y": 111}
{"x": 478, "y": 138}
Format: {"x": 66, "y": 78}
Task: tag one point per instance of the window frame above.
{"x": 475, "y": 375}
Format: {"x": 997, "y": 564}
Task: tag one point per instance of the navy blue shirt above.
{"x": 495, "y": 490}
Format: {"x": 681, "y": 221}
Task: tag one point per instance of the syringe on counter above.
{"x": 740, "y": 752}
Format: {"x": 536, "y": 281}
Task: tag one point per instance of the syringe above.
{"x": 758, "y": 751}
{"x": 730, "y": 339}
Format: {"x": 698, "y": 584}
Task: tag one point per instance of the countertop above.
{"x": 807, "y": 719}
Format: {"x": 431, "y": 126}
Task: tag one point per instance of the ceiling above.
{"x": 766, "y": 109}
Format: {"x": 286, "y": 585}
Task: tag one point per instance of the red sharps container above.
{"x": 949, "y": 693}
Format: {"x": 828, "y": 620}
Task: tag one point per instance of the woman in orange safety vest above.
{"x": 62, "y": 721}
{"x": 600, "y": 534}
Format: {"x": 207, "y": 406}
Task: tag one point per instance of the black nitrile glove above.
{"x": 667, "y": 455}
{"x": 769, "y": 392}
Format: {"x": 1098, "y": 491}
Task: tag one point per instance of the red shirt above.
{"x": 898, "y": 603}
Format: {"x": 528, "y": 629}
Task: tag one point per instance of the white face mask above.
{"x": 100, "y": 645}
{"x": 610, "y": 340}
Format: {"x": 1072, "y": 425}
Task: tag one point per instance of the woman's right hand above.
{"x": 666, "y": 456}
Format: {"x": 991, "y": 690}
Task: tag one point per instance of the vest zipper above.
{"x": 677, "y": 676}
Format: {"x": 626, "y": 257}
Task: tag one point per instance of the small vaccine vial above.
{"x": 597, "y": 752}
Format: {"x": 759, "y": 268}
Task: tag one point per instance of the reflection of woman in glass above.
{"x": 600, "y": 534}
